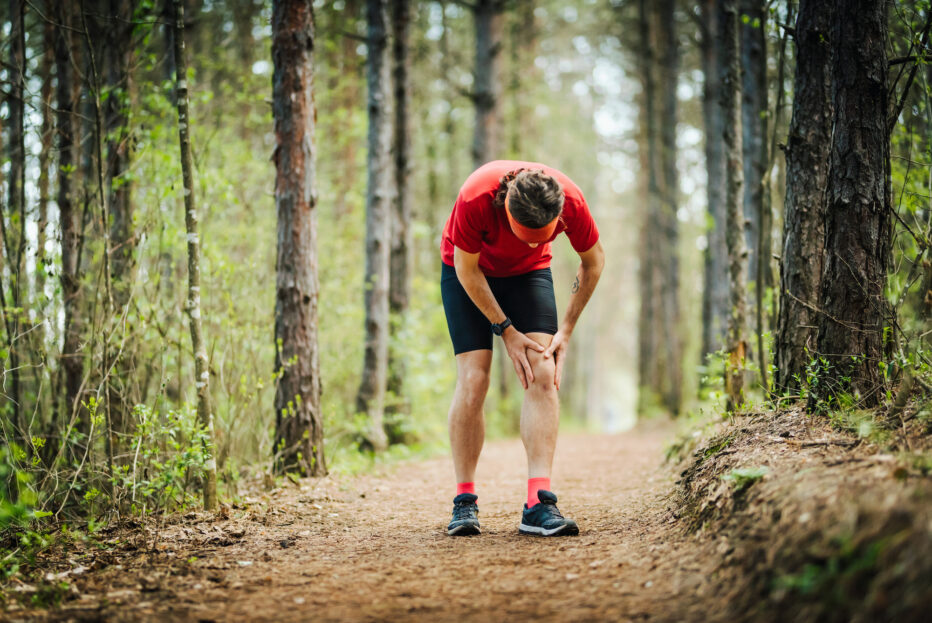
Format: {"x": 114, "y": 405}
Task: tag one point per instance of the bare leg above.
{"x": 540, "y": 412}
{"x": 467, "y": 421}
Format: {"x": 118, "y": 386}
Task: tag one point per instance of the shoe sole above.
{"x": 566, "y": 529}
{"x": 464, "y": 530}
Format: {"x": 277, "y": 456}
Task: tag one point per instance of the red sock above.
{"x": 533, "y": 484}
{"x": 465, "y": 487}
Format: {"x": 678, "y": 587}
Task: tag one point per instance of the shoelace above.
{"x": 553, "y": 509}
{"x": 462, "y": 511}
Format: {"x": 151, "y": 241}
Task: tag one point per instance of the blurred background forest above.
{"x": 99, "y": 385}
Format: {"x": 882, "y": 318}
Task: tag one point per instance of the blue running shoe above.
{"x": 465, "y": 515}
{"x": 545, "y": 519}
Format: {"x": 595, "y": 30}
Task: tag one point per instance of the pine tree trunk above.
{"x": 72, "y": 360}
{"x": 715, "y": 273}
{"x": 193, "y": 304}
{"x": 754, "y": 110}
{"x": 299, "y": 429}
{"x": 401, "y": 256}
{"x": 659, "y": 344}
{"x": 370, "y": 398}
{"x": 807, "y": 162}
{"x": 487, "y": 92}
{"x": 734, "y": 186}
{"x": 670, "y": 374}
{"x": 858, "y": 229}
{"x": 487, "y": 99}
{"x": 114, "y": 26}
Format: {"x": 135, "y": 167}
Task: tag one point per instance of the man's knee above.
{"x": 544, "y": 372}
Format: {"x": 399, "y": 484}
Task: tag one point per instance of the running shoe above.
{"x": 545, "y": 519}
{"x": 465, "y": 512}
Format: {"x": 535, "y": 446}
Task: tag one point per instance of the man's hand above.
{"x": 516, "y": 343}
{"x": 557, "y": 348}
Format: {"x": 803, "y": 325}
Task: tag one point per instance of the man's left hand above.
{"x": 557, "y": 348}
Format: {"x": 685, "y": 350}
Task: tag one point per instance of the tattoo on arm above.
{"x": 576, "y": 285}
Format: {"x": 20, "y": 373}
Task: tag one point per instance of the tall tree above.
{"x": 13, "y": 220}
{"x": 858, "y": 225}
{"x": 715, "y": 273}
{"x": 299, "y": 430}
{"x": 659, "y": 350}
{"x": 736, "y": 343}
{"x": 193, "y": 305}
{"x": 66, "y": 95}
{"x": 487, "y": 89}
{"x": 487, "y": 100}
{"x": 807, "y": 163}
{"x": 754, "y": 111}
{"x": 46, "y": 137}
{"x": 370, "y": 399}
{"x": 401, "y": 256}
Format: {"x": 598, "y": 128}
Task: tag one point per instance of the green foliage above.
{"x": 834, "y": 578}
{"x": 742, "y": 478}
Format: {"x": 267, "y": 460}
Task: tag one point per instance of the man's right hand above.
{"x": 516, "y": 343}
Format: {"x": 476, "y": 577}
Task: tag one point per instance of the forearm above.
{"x": 476, "y": 286}
{"x": 586, "y": 279}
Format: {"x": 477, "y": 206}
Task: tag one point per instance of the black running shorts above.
{"x": 527, "y": 299}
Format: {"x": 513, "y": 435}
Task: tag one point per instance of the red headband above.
{"x": 531, "y": 234}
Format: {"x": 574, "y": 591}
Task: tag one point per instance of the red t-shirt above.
{"x": 476, "y": 226}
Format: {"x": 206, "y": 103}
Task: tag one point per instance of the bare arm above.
{"x": 476, "y": 286}
{"x": 590, "y": 269}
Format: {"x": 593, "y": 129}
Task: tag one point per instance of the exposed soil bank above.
{"x": 808, "y": 523}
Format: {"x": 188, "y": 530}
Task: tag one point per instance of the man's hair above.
{"x": 534, "y": 198}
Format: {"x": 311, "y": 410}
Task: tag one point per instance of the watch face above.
{"x": 497, "y": 329}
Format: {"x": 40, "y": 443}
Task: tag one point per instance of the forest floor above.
{"x": 374, "y": 547}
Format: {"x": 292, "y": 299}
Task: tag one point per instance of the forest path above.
{"x": 374, "y": 548}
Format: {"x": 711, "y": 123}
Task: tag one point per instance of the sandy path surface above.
{"x": 374, "y": 548}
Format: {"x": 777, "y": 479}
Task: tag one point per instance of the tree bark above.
{"x": 487, "y": 100}
{"x": 46, "y": 136}
{"x": 72, "y": 360}
{"x": 193, "y": 304}
{"x": 715, "y": 290}
{"x": 299, "y": 429}
{"x": 858, "y": 227}
{"x": 487, "y": 92}
{"x": 660, "y": 347}
{"x": 754, "y": 111}
{"x": 14, "y": 217}
{"x": 670, "y": 360}
{"x": 807, "y": 163}
{"x": 370, "y": 398}
{"x": 401, "y": 254}
{"x": 734, "y": 186}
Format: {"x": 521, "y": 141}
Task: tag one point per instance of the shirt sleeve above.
{"x": 581, "y": 228}
{"x": 468, "y": 228}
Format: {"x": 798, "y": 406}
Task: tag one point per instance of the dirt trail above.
{"x": 374, "y": 548}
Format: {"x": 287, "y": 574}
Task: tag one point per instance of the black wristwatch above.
{"x": 498, "y": 329}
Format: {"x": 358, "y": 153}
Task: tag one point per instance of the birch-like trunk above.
{"x": 299, "y": 429}
{"x": 736, "y": 342}
{"x": 193, "y": 304}
{"x": 370, "y": 399}
{"x": 14, "y": 213}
